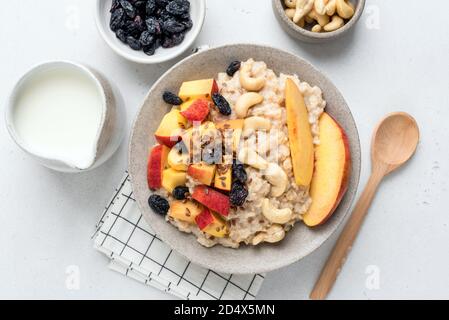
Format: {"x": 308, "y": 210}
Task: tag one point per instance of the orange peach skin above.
{"x": 157, "y": 162}
{"x": 299, "y": 134}
{"x": 332, "y": 172}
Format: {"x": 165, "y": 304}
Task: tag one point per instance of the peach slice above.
{"x": 197, "y": 111}
{"x": 185, "y": 105}
{"x": 177, "y": 159}
{"x": 212, "y": 199}
{"x": 172, "y": 179}
{"x": 332, "y": 172}
{"x": 223, "y": 177}
{"x": 185, "y": 210}
{"x": 299, "y": 134}
{"x": 232, "y": 129}
{"x": 156, "y": 164}
{"x": 210, "y": 223}
{"x": 202, "y": 172}
{"x": 170, "y": 129}
{"x": 198, "y": 89}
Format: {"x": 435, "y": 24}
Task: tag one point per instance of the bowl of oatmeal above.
{"x": 244, "y": 158}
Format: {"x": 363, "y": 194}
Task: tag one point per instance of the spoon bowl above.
{"x": 394, "y": 141}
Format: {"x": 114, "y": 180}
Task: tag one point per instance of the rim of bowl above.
{"x": 123, "y": 51}
{"x": 356, "y": 173}
{"x": 18, "y": 86}
{"x": 360, "y": 6}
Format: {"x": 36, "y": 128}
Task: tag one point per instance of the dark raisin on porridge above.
{"x": 239, "y": 172}
{"x": 238, "y": 194}
{"x": 233, "y": 67}
{"x": 158, "y": 204}
{"x": 171, "y": 98}
{"x": 222, "y": 104}
{"x": 180, "y": 192}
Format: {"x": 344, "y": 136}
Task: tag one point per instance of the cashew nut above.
{"x": 245, "y": 102}
{"x": 253, "y": 124}
{"x": 322, "y": 19}
{"x": 344, "y": 10}
{"x": 309, "y": 19}
{"x": 276, "y": 215}
{"x": 320, "y": 6}
{"x": 335, "y": 24}
{"x": 349, "y": 3}
{"x": 317, "y": 28}
{"x": 331, "y": 7}
{"x": 247, "y": 81}
{"x": 290, "y": 13}
{"x": 301, "y": 23}
{"x": 277, "y": 177}
{"x": 252, "y": 158}
{"x": 290, "y": 3}
{"x": 274, "y": 234}
{"x": 303, "y": 7}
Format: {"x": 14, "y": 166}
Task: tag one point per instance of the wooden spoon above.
{"x": 394, "y": 142}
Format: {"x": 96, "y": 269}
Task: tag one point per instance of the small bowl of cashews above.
{"x": 316, "y": 21}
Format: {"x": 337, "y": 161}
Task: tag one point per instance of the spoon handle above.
{"x": 344, "y": 243}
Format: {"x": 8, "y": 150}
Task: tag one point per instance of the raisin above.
{"x": 238, "y": 194}
{"x": 239, "y": 172}
{"x": 141, "y": 7}
{"x": 172, "y": 26}
{"x": 164, "y": 15}
{"x": 146, "y": 39}
{"x": 178, "y": 7}
{"x": 133, "y": 43}
{"x": 233, "y": 68}
{"x": 178, "y": 38}
{"x": 117, "y": 18}
{"x": 151, "y": 49}
{"x": 153, "y": 26}
{"x": 167, "y": 42}
{"x": 222, "y": 105}
{"x": 121, "y": 35}
{"x": 115, "y": 5}
{"x": 172, "y": 98}
{"x": 180, "y": 192}
{"x": 148, "y": 24}
{"x": 138, "y": 21}
{"x": 150, "y": 7}
{"x": 129, "y": 8}
{"x": 132, "y": 29}
{"x": 158, "y": 204}
{"x": 188, "y": 23}
{"x": 162, "y": 3}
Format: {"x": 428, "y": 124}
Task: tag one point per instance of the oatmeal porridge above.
{"x": 246, "y": 181}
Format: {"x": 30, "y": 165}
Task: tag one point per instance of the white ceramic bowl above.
{"x": 110, "y": 131}
{"x": 102, "y": 15}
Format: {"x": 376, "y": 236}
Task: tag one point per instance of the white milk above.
{"x": 58, "y": 114}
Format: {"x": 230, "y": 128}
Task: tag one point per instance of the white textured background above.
{"x": 396, "y": 60}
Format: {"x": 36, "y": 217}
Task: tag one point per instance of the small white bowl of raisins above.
{"x": 150, "y": 31}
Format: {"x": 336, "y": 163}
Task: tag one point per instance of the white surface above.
{"x": 47, "y": 218}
